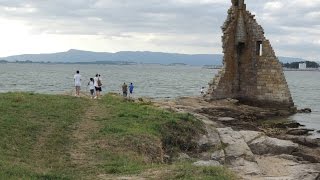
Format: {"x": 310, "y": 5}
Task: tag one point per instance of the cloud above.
{"x": 191, "y": 26}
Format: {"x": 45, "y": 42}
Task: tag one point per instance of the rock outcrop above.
{"x": 236, "y": 140}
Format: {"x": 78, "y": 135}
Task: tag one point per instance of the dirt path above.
{"x": 83, "y": 148}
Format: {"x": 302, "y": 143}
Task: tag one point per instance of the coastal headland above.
{"x": 65, "y": 137}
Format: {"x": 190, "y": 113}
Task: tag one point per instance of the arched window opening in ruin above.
{"x": 236, "y": 3}
{"x": 259, "y": 48}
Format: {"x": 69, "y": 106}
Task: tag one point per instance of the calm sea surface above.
{"x": 154, "y": 81}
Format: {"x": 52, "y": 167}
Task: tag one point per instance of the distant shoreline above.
{"x": 308, "y": 69}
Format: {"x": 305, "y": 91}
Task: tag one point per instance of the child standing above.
{"x": 91, "y": 87}
{"x": 131, "y": 90}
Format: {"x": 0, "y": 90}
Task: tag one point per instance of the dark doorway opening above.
{"x": 240, "y": 51}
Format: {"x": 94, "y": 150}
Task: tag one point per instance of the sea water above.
{"x": 155, "y": 81}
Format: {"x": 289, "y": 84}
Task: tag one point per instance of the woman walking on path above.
{"x": 77, "y": 83}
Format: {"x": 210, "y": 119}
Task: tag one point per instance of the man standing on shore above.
{"x": 77, "y": 83}
{"x": 124, "y": 90}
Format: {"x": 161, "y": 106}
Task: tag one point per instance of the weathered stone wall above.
{"x": 251, "y": 72}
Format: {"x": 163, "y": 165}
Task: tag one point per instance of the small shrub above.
{"x": 181, "y": 135}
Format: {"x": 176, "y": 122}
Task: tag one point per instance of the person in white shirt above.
{"x": 91, "y": 87}
{"x": 77, "y": 82}
{"x": 202, "y": 90}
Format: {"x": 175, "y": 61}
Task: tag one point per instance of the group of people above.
{"x": 95, "y": 86}
{"x": 125, "y": 90}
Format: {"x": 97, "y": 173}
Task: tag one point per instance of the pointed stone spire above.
{"x": 238, "y": 3}
{"x": 251, "y": 73}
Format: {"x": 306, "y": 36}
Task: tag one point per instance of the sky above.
{"x": 180, "y": 26}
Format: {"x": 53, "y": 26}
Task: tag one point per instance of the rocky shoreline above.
{"x": 246, "y": 140}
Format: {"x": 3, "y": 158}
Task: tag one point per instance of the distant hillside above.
{"x": 75, "y": 56}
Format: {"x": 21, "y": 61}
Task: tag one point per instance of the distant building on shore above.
{"x": 302, "y": 65}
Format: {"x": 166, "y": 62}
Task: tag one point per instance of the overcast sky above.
{"x": 182, "y": 26}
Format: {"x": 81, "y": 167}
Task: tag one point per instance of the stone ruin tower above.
{"x": 251, "y": 73}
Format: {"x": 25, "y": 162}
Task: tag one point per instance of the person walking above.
{"x": 77, "y": 82}
{"x": 97, "y": 85}
{"x": 131, "y": 90}
{"x": 124, "y": 90}
{"x": 91, "y": 87}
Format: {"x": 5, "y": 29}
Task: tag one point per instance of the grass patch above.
{"x": 189, "y": 172}
{"x": 34, "y": 134}
{"x": 130, "y": 139}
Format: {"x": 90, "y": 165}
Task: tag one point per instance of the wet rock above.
{"x": 285, "y": 125}
{"x": 299, "y": 132}
{"x": 307, "y": 157}
{"x": 284, "y": 113}
{"x": 303, "y": 140}
{"x": 305, "y": 110}
{"x": 207, "y": 163}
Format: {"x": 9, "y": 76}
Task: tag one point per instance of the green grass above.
{"x": 189, "y": 172}
{"x": 34, "y": 134}
{"x": 127, "y": 139}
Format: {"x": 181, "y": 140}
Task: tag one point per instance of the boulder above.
{"x": 218, "y": 156}
{"x": 261, "y": 144}
{"x": 235, "y": 144}
{"x": 183, "y": 156}
{"x": 245, "y": 168}
{"x": 267, "y": 145}
{"x": 209, "y": 140}
{"x": 249, "y": 136}
{"x": 238, "y": 155}
{"x": 226, "y": 119}
{"x": 207, "y": 163}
